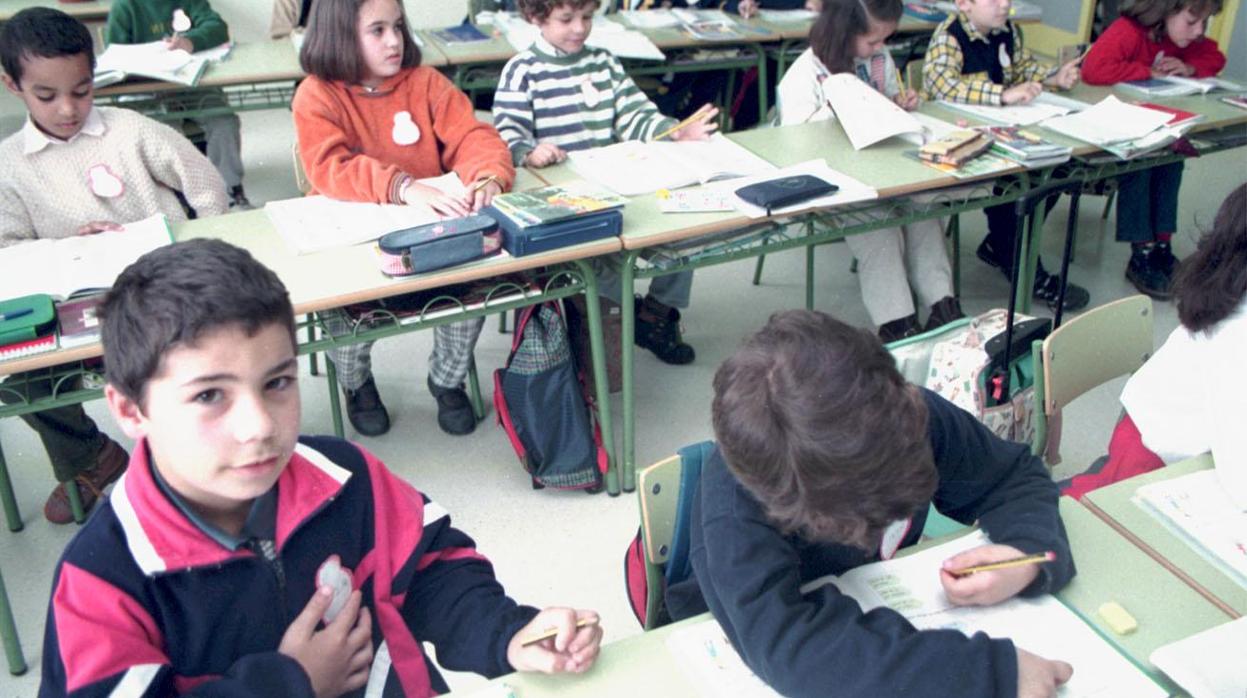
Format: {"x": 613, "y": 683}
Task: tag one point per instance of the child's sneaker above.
{"x": 901, "y": 328}
{"x": 1163, "y": 258}
{"x": 238, "y": 200}
{"x": 1146, "y": 270}
{"x": 658, "y": 329}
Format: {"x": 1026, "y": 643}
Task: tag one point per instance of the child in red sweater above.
{"x": 370, "y": 122}
{"x": 1153, "y": 38}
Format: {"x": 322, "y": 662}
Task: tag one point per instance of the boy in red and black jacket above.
{"x": 236, "y": 557}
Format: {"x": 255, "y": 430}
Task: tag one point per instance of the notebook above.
{"x": 1198, "y": 509}
{"x": 1208, "y": 664}
{"x": 1126, "y": 130}
{"x": 29, "y": 347}
{"x": 1042, "y": 108}
{"x": 866, "y": 115}
{"x": 154, "y": 60}
{"x": 910, "y": 586}
{"x": 69, "y": 266}
{"x": 632, "y": 168}
{"x": 1177, "y": 86}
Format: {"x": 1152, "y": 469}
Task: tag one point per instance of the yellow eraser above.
{"x": 663, "y": 194}
{"x": 1119, "y": 621}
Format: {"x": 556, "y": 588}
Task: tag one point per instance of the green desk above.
{"x": 1114, "y": 505}
{"x": 92, "y": 11}
{"x": 1109, "y": 568}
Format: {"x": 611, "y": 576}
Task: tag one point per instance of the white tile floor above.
{"x": 567, "y": 548}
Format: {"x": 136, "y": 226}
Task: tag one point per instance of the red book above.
{"x": 38, "y": 345}
{"x": 1180, "y": 116}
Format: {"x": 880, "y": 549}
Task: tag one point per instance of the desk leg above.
{"x": 335, "y": 406}
{"x": 809, "y": 268}
{"x": 474, "y": 383}
{"x": 597, "y": 352}
{"x": 8, "y": 632}
{"x": 75, "y": 501}
{"x": 11, "y": 512}
{"x": 627, "y": 282}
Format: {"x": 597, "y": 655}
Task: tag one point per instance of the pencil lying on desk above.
{"x": 1037, "y": 558}
{"x": 552, "y": 631}
{"x": 698, "y": 116}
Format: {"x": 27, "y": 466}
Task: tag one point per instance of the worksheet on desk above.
{"x": 1197, "y": 508}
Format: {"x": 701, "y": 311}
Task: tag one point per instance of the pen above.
{"x": 13, "y": 314}
{"x": 698, "y": 116}
{"x": 551, "y": 632}
{"x": 1048, "y": 556}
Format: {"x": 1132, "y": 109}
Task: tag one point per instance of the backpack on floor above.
{"x": 540, "y": 400}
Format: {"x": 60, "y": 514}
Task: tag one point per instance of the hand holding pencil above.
{"x": 557, "y": 640}
{"x": 989, "y": 574}
{"x": 698, "y": 127}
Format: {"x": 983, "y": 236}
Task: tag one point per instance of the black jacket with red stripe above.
{"x": 144, "y": 603}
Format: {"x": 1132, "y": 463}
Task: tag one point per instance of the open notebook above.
{"x": 632, "y": 168}
{"x": 1197, "y": 508}
{"x": 910, "y": 585}
{"x": 67, "y": 266}
{"x": 154, "y": 60}
{"x": 1042, "y": 108}
{"x": 315, "y": 223}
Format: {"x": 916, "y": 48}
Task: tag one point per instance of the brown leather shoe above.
{"x": 109, "y": 465}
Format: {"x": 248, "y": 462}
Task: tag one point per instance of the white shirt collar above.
{"x": 36, "y": 140}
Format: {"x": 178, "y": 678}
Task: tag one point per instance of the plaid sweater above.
{"x": 579, "y": 101}
{"x": 978, "y": 69}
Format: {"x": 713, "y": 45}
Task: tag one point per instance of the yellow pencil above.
{"x": 482, "y": 183}
{"x": 551, "y": 632}
{"x": 700, "y": 115}
{"x": 900, "y": 84}
{"x": 1048, "y": 556}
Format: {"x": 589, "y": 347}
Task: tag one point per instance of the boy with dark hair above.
{"x": 231, "y": 539}
{"x": 560, "y": 95}
{"x": 827, "y": 459}
{"x": 976, "y": 56}
{"x": 144, "y": 21}
{"x": 75, "y": 169}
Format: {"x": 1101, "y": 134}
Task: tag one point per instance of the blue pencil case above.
{"x": 520, "y": 241}
{"x": 26, "y": 317}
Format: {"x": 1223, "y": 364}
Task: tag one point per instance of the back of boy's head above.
{"x": 540, "y": 10}
{"x": 840, "y": 23}
{"x": 175, "y": 294}
{"x": 1212, "y": 283}
{"x": 1153, "y": 13}
{"x": 42, "y": 32}
{"x": 331, "y": 44}
{"x": 813, "y": 418}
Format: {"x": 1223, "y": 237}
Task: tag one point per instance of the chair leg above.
{"x": 757, "y": 270}
{"x": 8, "y": 632}
{"x": 75, "y": 501}
{"x": 335, "y": 404}
{"x": 954, "y": 232}
{"x": 11, "y": 512}
{"x": 502, "y": 323}
{"x": 314, "y": 368}
{"x": 474, "y": 383}
{"x": 1108, "y": 205}
{"x": 809, "y": 277}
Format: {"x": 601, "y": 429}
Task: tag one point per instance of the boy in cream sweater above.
{"x": 75, "y": 169}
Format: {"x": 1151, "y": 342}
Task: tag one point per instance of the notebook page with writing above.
{"x": 316, "y": 223}
{"x": 1043, "y": 107}
{"x": 714, "y": 159}
{"x": 866, "y": 115}
{"x": 1198, "y": 509}
{"x": 64, "y": 266}
{"x": 1109, "y": 121}
{"x": 632, "y": 168}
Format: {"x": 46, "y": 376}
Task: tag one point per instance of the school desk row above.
{"x": 1110, "y": 568}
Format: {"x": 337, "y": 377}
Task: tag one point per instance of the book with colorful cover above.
{"x": 555, "y": 203}
{"x": 28, "y": 347}
{"x": 1239, "y": 101}
{"x": 462, "y": 34}
{"x": 77, "y": 320}
{"x": 1026, "y": 147}
{"x": 984, "y": 165}
{"x": 956, "y": 148}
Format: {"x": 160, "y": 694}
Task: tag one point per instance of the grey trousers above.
{"x": 224, "y": 134}
{"x": 448, "y": 363}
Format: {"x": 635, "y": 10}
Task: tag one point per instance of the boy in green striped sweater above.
{"x": 559, "y": 95}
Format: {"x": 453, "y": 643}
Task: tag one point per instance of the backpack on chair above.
{"x": 540, "y": 401}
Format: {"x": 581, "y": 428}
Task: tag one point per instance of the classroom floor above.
{"x": 567, "y": 548}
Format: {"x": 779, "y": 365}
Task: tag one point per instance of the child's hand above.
{"x": 97, "y": 227}
{"x": 338, "y": 657}
{"x": 571, "y": 650}
{"x": 1177, "y": 67}
{"x": 483, "y": 196}
{"x": 442, "y": 203}
{"x": 701, "y": 129}
{"x": 1021, "y": 94}
{"x": 907, "y": 99}
{"x": 174, "y": 43}
{"x": 1039, "y": 677}
{"x": 544, "y": 155}
{"x": 814, "y": 5}
{"x": 989, "y": 587}
{"x": 1068, "y": 75}
{"x": 747, "y": 8}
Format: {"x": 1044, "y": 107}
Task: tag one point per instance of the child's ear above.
{"x": 12, "y": 85}
{"x": 127, "y": 413}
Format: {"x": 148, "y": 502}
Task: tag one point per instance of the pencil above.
{"x": 698, "y": 116}
{"x": 482, "y": 183}
{"x": 900, "y": 84}
{"x": 551, "y": 632}
{"x": 1048, "y": 556}
{"x": 1056, "y": 69}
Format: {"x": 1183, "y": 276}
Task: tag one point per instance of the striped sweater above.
{"x": 578, "y": 101}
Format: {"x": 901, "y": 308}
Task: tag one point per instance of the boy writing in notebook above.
{"x": 560, "y": 95}
{"x": 827, "y": 459}
{"x": 976, "y": 56}
{"x": 143, "y": 21}
{"x": 238, "y": 558}
{"x": 77, "y": 169}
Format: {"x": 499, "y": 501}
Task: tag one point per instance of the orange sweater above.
{"x": 360, "y": 144}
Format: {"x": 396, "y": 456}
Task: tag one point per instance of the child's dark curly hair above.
{"x": 540, "y": 10}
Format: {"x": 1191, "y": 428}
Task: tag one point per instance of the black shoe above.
{"x": 658, "y": 329}
{"x": 366, "y": 411}
{"x": 1162, "y": 257}
{"x": 238, "y": 200}
{"x": 454, "y": 409}
{"x": 944, "y": 311}
{"x": 899, "y": 329}
{"x": 1147, "y": 273}
{"x": 1048, "y": 289}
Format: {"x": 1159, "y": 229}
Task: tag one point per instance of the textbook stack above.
{"x": 1025, "y": 147}
{"x": 553, "y": 217}
{"x": 957, "y": 148}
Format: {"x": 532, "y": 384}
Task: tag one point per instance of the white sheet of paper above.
{"x": 651, "y": 19}
{"x": 1208, "y": 664}
{"x": 866, "y": 115}
{"x": 850, "y": 191}
{"x": 1012, "y": 115}
{"x": 787, "y": 16}
{"x": 1109, "y": 121}
{"x": 1198, "y": 509}
{"x": 60, "y": 267}
{"x": 315, "y": 223}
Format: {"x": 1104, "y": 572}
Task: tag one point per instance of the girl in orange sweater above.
{"x": 370, "y": 121}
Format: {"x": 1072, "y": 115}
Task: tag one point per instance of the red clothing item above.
{"x": 1126, "y": 51}
{"x": 1127, "y": 457}
{"x": 361, "y": 144}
